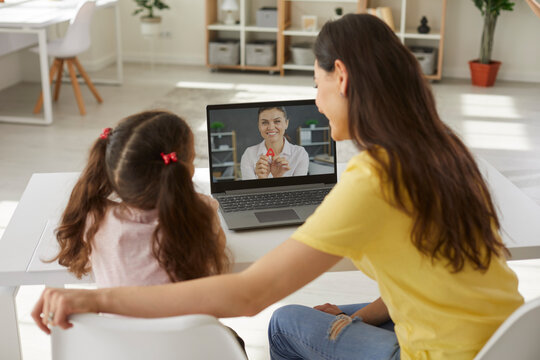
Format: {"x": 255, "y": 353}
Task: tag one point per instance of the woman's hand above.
{"x": 328, "y": 308}
{"x": 279, "y": 167}
{"x": 262, "y": 167}
{"x": 55, "y": 305}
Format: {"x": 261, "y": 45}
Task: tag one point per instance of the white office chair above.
{"x": 66, "y": 49}
{"x": 193, "y": 337}
{"x": 517, "y": 338}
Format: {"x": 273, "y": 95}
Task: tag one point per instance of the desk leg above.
{"x": 10, "y": 345}
{"x": 45, "y": 83}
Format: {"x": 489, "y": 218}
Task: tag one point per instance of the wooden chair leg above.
{"x": 39, "y": 103}
{"x": 76, "y": 88}
{"x": 87, "y": 79}
{"x": 58, "y": 79}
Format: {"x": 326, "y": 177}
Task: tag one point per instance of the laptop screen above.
{"x": 269, "y": 144}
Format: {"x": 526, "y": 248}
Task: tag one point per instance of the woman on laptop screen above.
{"x": 275, "y": 156}
{"x": 411, "y": 211}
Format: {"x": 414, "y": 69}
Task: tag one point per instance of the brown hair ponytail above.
{"x": 129, "y": 163}
{"x": 185, "y": 228}
{"x": 391, "y": 107}
{"x": 88, "y": 200}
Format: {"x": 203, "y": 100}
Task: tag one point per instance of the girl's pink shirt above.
{"x": 122, "y": 249}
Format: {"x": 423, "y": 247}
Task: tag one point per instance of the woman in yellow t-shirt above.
{"x": 411, "y": 210}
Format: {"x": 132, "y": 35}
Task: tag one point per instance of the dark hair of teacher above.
{"x": 392, "y": 107}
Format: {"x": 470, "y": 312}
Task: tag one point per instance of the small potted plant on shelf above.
{"x": 484, "y": 70}
{"x": 216, "y": 126}
{"x": 150, "y": 23}
{"x": 312, "y": 123}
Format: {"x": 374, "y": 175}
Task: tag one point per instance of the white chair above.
{"x": 66, "y": 49}
{"x": 517, "y": 338}
{"x": 192, "y": 337}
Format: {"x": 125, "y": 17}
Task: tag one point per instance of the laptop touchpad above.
{"x": 276, "y": 215}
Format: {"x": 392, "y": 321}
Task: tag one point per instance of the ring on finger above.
{"x": 50, "y": 317}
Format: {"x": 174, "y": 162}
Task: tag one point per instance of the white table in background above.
{"x": 29, "y": 238}
{"x": 34, "y": 17}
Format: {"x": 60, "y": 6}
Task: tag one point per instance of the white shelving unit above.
{"x": 288, "y": 31}
{"x": 402, "y": 18}
{"x": 245, "y": 31}
{"x": 219, "y": 164}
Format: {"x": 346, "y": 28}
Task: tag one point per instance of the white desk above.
{"x": 33, "y": 17}
{"x": 28, "y": 238}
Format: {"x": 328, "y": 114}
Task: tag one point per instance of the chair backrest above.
{"x": 114, "y": 338}
{"x": 518, "y": 337}
{"x": 77, "y": 38}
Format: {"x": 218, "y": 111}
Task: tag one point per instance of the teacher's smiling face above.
{"x": 272, "y": 125}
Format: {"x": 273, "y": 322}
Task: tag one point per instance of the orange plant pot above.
{"x": 484, "y": 74}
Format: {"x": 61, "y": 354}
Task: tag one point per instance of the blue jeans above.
{"x": 300, "y": 332}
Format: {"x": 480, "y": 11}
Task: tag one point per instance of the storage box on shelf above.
{"x": 224, "y": 52}
{"x": 267, "y": 17}
{"x": 261, "y": 54}
{"x": 426, "y": 56}
{"x": 302, "y": 54}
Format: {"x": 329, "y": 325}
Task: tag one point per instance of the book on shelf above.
{"x": 385, "y": 14}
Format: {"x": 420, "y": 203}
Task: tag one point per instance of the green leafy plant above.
{"x": 217, "y": 125}
{"x": 149, "y": 6}
{"x": 312, "y": 122}
{"x": 490, "y": 9}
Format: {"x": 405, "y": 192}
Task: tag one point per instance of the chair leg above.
{"x": 58, "y": 79}
{"x": 76, "y": 88}
{"x": 39, "y": 103}
{"x": 87, "y": 79}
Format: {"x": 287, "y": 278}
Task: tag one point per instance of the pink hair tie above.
{"x": 105, "y": 134}
{"x": 167, "y": 158}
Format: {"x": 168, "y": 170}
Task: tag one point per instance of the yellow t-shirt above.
{"x": 438, "y": 314}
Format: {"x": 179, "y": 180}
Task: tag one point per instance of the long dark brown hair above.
{"x": 391, "y": 107}
{"x": 128, "y": 163}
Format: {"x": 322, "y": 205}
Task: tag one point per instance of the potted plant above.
{"x": 150, "y": 23}
{"x": 216, "y": 126}
{"x": 484, "y": 69}
{"x": 312, "y": 123}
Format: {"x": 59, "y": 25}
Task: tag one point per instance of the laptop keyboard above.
{"x": 272, "y": 200}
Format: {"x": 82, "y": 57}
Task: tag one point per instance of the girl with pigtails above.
{"x": 134, "y": 217}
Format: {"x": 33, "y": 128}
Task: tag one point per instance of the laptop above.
{"x": 297, "y": 177}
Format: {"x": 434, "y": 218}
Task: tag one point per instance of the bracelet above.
{"x": 341, "y": 313}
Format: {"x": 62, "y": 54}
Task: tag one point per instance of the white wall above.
{"x": 517, "y": 43}
{"x": 184, "y": 21}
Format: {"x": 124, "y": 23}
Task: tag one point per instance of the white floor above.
{"x": 502, "y": 124}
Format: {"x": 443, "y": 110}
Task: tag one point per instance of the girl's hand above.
{"x": 262, "y": 167}
{"x": 55, "y": 305}
{"x": 328, "y": 308}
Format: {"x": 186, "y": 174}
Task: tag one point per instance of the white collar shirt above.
{"x": 296, "y": 155}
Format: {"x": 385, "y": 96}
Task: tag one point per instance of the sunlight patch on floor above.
{"x": 496, "y": 135}
{"x": 259, "y": 88}
{"x": 489, "y": 106}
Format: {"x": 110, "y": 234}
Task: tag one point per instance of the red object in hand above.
{"x": 270, "y": 152}
{"x": 167, "y": 158}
